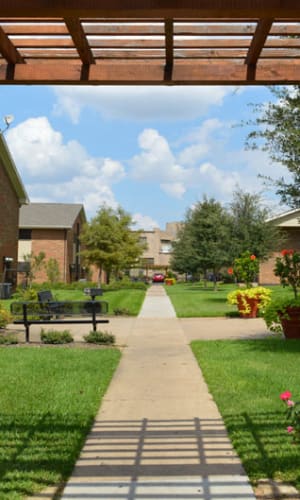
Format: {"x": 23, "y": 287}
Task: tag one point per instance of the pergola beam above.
{"x": 8, "y": 50}
{"x": 258, "y": 41}
{"x": 148, "y": 8}
{"x": 147, "y": 72}
{"x": 78, "y": 36}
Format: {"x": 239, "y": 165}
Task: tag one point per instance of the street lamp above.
{"x": 8, "y": 119}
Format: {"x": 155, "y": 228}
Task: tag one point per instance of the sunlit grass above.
{"x": 245, "y": 379}
{"x": 49, "y": 398}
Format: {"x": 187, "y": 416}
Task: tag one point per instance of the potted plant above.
{"x": 283, "y": 314}
{"x": 249, "y": 299}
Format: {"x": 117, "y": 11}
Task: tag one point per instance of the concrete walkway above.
{"x": 158, "y": 434}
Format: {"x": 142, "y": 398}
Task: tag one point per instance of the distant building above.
{"x": 289, "y": 224}
{"x": 12, "y": 196}
{"x": 53, "y": 228}
{"x": 159, "y": 248}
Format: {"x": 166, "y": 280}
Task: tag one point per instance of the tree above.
{"x": 36, "y": 264}
{"x": 52, "y": 270}
{"x": 278, "y": 132}
{"x": 184, "y": 257}
{"x": 109, "y": 241}
{"x": 252, "y": 229}
{"x": 204, "y": 244}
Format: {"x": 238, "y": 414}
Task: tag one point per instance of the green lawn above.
{"x": 49, "y": 398}
{"x": 192, "y": 300}
{"x": 245, "y": 379}
{"x": 130, "y": 299}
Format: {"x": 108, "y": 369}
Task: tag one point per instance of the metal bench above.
{"x": 58, "y": 312}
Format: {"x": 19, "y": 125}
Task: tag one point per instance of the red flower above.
{"x": 287, "y": 252}
{"x": 230, "y": 270}
{"x": 284, "y": 396}
{"x": 253, "y": 257}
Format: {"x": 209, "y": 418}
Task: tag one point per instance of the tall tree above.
{"x": 277, "y": 131}
{"x": 252, "y": 228}
{"x": 204, "y": 244}
{"x": 109, "y": 241}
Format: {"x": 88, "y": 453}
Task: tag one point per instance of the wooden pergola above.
{"x": 153, "y": 42}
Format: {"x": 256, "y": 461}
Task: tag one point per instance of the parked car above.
{"x": 158, "y": 278}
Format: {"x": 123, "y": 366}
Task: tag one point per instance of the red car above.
{"x": 158, "y": 278}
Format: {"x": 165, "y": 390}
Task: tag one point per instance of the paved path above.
{"x": 158, "y": 434}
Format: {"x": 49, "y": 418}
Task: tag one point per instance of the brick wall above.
{"x": 9, "y": 220}
{"x": 266, "y": 274}
{"x": 53, "y": 243}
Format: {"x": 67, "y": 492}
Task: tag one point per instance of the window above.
{"x": 165, "y": 246}
{"x": 25, "y": 234}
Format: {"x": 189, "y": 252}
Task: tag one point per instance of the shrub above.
{"x": 100, "y": 338}
{"x": 121, "y": 311}
{"x": 5, "y": 317}
{"x": 55, "y": 337}
{"x": 26, "y": 294}
{"x": 8, "y": 340}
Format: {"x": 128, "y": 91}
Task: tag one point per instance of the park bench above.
{"x": 49, "y": 311}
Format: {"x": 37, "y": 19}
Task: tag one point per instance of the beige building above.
{"x": 289, "y": 224}
{"x": 159, "y": 249}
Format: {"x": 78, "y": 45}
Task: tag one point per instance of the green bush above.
{"x": 26, "y": 294}
{"x": 121, "y": 311}
{"x": 55, "y": 337}
{"x": 8, "y": 340}
{"x": 5, "y": 317}
{"x": 99, "y": 338}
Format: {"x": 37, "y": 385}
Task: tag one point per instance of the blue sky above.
{"x": 153, "y": 150}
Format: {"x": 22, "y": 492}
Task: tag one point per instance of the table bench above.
{"x": 49, "y": 312}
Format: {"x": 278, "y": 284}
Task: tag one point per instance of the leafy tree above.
{"x": 36, "y": 263}
{"x": 52, "y": 270}
{"x": 204, "y": 244}
{"x": 252, "y": 229}
{"x": 184, "y": 257}
{"x": 277, "y": 131}
{"x": 109, "y": 241}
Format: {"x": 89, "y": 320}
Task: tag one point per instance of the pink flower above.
{"x": 284, "y": 396}
{"x": 230, "y": 270}
{"x": 290, "y": 402}
{"x": 253, "y": 257}
{"x": 290, "y": 429}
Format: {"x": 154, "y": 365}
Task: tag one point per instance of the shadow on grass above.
{"x": 37, "y": 450}
{"x": 265, "y": 448}
{"x": 273, "y": 344}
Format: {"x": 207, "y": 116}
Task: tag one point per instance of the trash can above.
{"x": 5, "y": 290}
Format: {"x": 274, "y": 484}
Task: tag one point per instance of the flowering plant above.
{"x": 258, "y": 293}
{"x": 245, "y": 268}
{"x": 292, "y": 415}
{"x": 287, "y": 268}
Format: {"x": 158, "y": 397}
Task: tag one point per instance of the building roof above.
{"x": 10, "y": 168}
{"x": 287, "y": 219}
{"x": 50, "y": 215}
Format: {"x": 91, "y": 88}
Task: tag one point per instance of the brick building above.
{"x": 289, "y": 224}
{"x": 53, "y": 228}
{"x": 12, "y": 196}
{"x": 159, "y": 249}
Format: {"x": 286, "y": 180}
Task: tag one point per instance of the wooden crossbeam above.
{"x": 8, "y": 50}
{"x": 169, "y": 50}
{"x": 147, "y": 8}
{"x": 258, "y": 41}
{"x": 78, "y": 36}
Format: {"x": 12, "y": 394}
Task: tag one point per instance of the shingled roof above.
{"x": 10, "y": 168}
{"x": 50, "y": 215}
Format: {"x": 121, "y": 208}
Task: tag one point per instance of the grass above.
{"x": 130, "y": 299}
{"x": 49, "y": 398}
{"x": 192, "y": 300}
{"x": 245, "y": 379}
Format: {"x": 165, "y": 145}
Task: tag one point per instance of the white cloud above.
{"x": 174, "y": 189}
{"x": 140, "y": 102}
{"x": 54, "y": 170}
{"x": 144, "y": 222}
